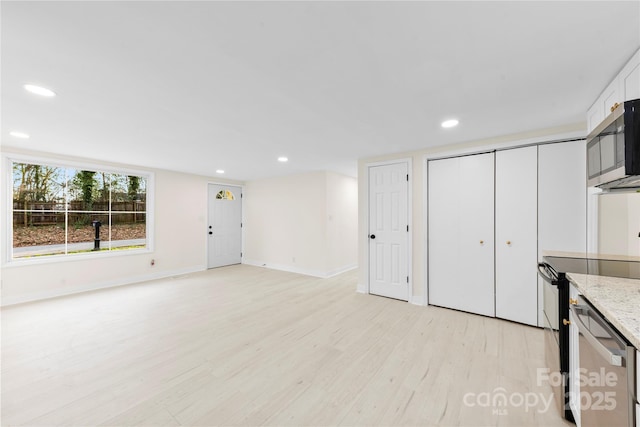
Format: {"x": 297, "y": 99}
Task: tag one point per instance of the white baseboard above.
{"x": 36, "y": 296}
{"x": 298, "y": 270}
{"x": 420, "y": 300}
{"x": 341, "y": 270}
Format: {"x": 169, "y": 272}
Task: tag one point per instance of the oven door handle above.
{"x": 607, "y": 354}
{"x": 545, "y": 277}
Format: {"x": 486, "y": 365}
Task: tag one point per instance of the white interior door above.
{"x": 517, "y": 234}
{"x": 461, "y": 233}
{"x": 224, "y": 229}
{"x": 388, "y": 234}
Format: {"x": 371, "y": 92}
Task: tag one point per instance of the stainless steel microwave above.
{"x": 613, "y": 150}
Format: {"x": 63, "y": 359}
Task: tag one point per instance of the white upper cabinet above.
{"x": 603, "y": 105}
{"x": 625, "y": 86}
{"x": 629, "y": 79}
{"x": 516, "y": 234}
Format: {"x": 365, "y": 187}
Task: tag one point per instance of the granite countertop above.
{"x": 615, "y": 257}
{"x": 617, "y": 299}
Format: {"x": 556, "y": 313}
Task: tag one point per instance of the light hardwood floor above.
{"x": 245, "y": 345}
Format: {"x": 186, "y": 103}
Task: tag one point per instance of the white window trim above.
{"x": 7, "y": 208}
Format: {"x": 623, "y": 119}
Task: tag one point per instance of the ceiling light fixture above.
{"x": 21, "y": 135}
{"x": 39, "y": 90}
{"x": 283, "y": 159}
{"x": 449, "y": 123}
{"x": 220, "y": 171}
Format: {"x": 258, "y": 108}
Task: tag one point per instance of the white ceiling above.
{"x": 200, "y": 86}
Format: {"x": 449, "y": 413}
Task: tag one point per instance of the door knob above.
{"x": 573, "y": 301}
{"x": 373, "y": 236}
{"x": 482, "y": 242}
{"x": 509, "y": 242}
{"x": 566, "y": 322}
{"x": 211, "y": 232}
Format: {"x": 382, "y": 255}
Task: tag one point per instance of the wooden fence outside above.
{"x": 52, "y": 213}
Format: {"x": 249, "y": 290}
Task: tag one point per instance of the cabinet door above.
{"x": 610, "y": 97}
{"x": 595, "y": 115}
{"x": 602, "y": 107}
{"x": 629, "y": 79}
{"x": 460, "y": 233}
{"x": 516, "y": 235}
{"x": 562, "y": 201}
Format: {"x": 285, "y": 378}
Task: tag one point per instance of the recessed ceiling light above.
{"x": 449, "y": 123}
{"x": 39, "y": 90}
{"x": 283, "y": 159}
{"x": 220, "y": 171}
{"x": 19, "y": 134}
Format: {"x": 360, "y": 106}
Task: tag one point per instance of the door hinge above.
{"x": 407, "y": 177}
{"x": 407, "y": 279}
{"x": 240, "y": 225}
{"x": 240, "y": 254}
{"x": 407, "y": 228}
{"x": 241, "y": 195}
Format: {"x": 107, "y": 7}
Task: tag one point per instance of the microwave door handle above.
{"x": 608, "y": 355}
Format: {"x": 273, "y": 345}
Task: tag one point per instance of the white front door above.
{"x": 224, "y": 228}
{"x": 388, "y": 231}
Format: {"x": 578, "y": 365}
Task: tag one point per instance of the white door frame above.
{"x": 242, "y": 216}
{"x": 365, "y": 239}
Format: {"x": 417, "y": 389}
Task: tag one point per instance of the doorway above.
{"x": 389, "y": 238}
{"x": 224, "y": 227}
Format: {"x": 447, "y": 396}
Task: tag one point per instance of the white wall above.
{"x": 179, "y": 236}
{"x": 619, "y": 224}
{"x": 419, "y": 237}
{"x": 304, "y": 223}
{"x": 342, "y": 223}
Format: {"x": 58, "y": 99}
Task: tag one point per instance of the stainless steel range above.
{"x": 553, "y": 270}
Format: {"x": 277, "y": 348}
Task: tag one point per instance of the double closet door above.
{"x": 482, "y": 233}
{"x": 461, "y": 233}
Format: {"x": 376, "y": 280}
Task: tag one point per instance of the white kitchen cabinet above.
{"x": 595, "y": 115}
{"x": 625, "y": 86}
{"x": 602, "y": 107}
{"x": 461, "y": 233}
{"x": 629, "y": 79}
{"x": 516, "y": 234}
{"x": 574, "y": 359}
{"x": 562, "y": 202}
